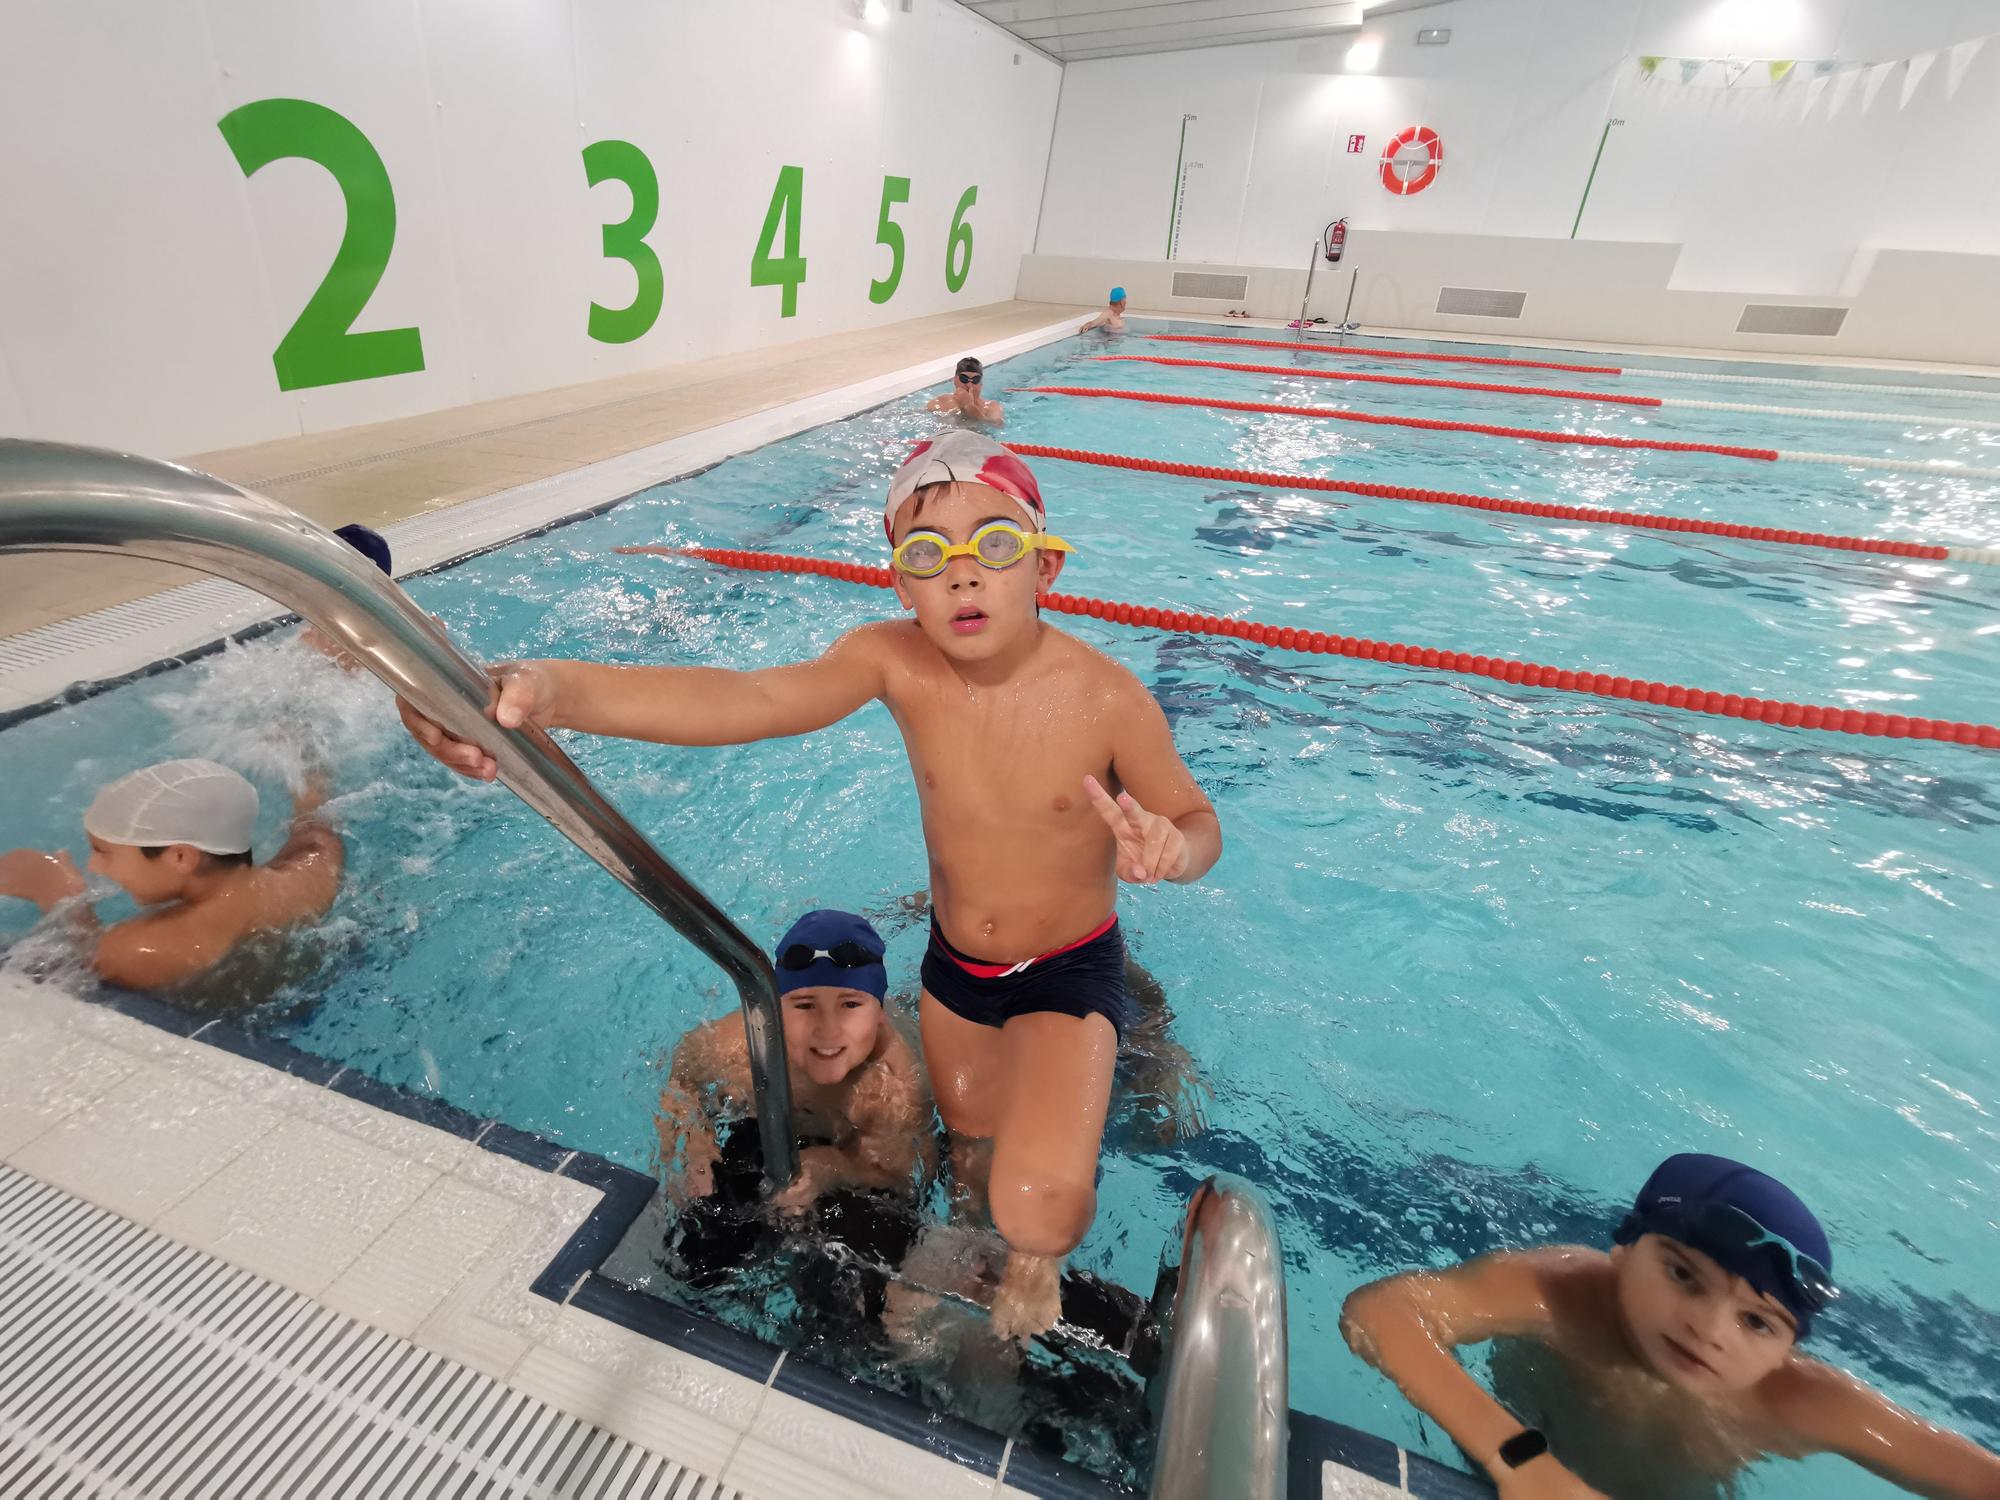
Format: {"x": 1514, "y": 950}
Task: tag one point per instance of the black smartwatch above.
{"x": 1524, "y": 1445}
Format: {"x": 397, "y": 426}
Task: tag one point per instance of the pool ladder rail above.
{"x": 58, "y": 498}
{"x": 1220, "y": 1400}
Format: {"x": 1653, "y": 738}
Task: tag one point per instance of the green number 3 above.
{"x": 621, "y": 161}
{"x": 319, "y": 349}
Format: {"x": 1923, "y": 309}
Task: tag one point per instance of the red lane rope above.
{"x": 1442, "y": 385}
{"x": 1428, "y": 424}
{"x": 1346, "y": 349}
{"x": 1495, "y": 503}
{"x": 1503, "y": 669}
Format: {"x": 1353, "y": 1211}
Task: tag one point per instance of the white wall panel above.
{"x": 145, "y": 281}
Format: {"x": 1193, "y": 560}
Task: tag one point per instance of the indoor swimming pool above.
{"x": 1476, "y": 956}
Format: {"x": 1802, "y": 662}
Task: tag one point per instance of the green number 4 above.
{"x": 789, "y": 270}
{"x": 319, "y": 349}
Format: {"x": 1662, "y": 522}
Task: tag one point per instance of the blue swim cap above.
{"x": 834, "y": 948}
{"x": 1118, "y": 294}
{"x": 1704, "y": 1201}
{"x": 370, "y": 543}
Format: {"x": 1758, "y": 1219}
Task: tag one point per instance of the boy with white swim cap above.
{"x": 1112, "y": 319}
{"x": 176, "y": 837}
{"x": 1045, "y": 774}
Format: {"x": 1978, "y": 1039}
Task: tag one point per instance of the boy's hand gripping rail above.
{"x": 1220, "y": 1399}
{"x": 57, "y": 498}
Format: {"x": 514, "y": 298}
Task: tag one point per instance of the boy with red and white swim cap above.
{"x": 1046, "y": 774}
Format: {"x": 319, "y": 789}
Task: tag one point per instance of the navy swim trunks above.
{"x": 1085, "y": 978}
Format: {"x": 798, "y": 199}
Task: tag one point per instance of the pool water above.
{"x": 1475, "y": 958}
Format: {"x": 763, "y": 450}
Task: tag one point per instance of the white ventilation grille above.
{"x": 1478, "y": 302}
{"x": 1773, "y": 317}
{"x": 130, "y": 1365}
{"x": 1214, "y": 286}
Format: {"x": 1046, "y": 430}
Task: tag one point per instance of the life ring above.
{"x": 1418, "y": 135}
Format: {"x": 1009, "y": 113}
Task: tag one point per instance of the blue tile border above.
{"x": 573, "y": 1277}
{"x": 897, "y": 1415}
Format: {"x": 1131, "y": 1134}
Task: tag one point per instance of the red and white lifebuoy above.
{"x": 1394, "y": 164}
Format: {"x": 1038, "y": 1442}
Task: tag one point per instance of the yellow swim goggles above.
{"x": 997, "y": 544}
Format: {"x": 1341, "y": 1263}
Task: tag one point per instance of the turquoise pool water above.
{"x": 1476, "y": 956}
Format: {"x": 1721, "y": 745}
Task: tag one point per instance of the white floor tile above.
{"x": 1338, "y": 1483}
{"x": 793, "y": 1440}
{"x": 405, "y": 1275}
{"x": 156, "y": 1136}
{"x": 301, "y": 1207}
{"x": 424, "y": 1144}
{"x": 46, "y": 1075}
{"x": 609, "y": 1398}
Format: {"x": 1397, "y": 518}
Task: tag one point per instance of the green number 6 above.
{"x": 894, "y": 190}
{"x": 319, "y": 349}
{"x": 961, "y": 239}
{"x": 621, "y": 161}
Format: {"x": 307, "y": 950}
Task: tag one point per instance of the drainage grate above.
{"x": 1215, "y": 286}
{"x": 1478, "y": 302}
{"x": 131, "y": 1365}
{"x": 1779, "y": 317}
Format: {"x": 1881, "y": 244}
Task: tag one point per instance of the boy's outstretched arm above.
{"x": 1408, "y": 1325}
{"x": 1164, "y": 823}
{"x": 1832, "y": 1412}
{"x": 671, "y": 705}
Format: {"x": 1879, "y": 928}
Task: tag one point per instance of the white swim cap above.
{"x": 177, "y": 802}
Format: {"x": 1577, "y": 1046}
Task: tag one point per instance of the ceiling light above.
{"x": 874, "y": 12}
{"x": 1363, "y": 55}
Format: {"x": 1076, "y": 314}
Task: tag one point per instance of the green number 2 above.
{"x": 319, "y": 349}
{"x": 790, "y": 270}
{"x": 621, "y": 161}
{"x": 961, "y": 239}
{"x": 894, "y": 190}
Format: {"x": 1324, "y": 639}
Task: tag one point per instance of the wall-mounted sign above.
{"x": 1355, "y": 143}
{"x": 1411, "y": 160}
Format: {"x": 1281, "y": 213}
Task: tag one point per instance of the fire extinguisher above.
{"x": 1336, "y": 241}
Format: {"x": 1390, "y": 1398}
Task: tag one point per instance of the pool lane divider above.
{"x": 1779, "y": 711}
{"x": 1942, "y": 467}
{"x": 1906, "y": 419}
{"x": 1540, "y": 510}
{"x": 1360, "y": 352}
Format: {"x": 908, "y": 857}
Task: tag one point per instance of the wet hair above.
{"x": 208, "y": 861}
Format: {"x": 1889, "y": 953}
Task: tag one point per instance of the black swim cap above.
{"x": 370, "y": 543}
{"x": 971, "y": 366}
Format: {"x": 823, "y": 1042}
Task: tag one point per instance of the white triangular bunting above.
{"x": 1961, "y": 59}
{"x": 1840, "y": 90}
{"x": 1872, "y": 81}
{"x": 1919, "y": 66}
{"x": 1691, "y": 67}
{"x": 1731, "y": 71}
{"x": 1814, "y": 88}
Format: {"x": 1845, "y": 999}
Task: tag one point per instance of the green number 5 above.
{"x": 894, "y": 190}
{"x": 319, "y": 349}
{"x": 621, "y": 161}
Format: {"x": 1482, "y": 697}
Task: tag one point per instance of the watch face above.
{"x": 1522, "y": 1446}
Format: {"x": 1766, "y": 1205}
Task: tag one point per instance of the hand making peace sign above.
{"x": 1150, "y": 847}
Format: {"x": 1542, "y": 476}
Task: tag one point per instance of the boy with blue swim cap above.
{"x": 1112, "y": 319}
{"x": 1661, "y": 1369}
{"x": 858, "y": 1095}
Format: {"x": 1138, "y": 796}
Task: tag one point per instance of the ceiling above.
{"x": 1072, "y": 30}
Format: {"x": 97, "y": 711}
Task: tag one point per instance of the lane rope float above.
{"x": 1638, "y": 371}
{"x": 1907, "y": 419}
{"x": 1779, "y": 711}
{"x": 1942, "y": 467}
{"x": 1540, "y": 510}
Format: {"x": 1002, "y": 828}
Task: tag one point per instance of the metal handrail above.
{"x": 1220, "y": 1399}
{"x": 58, "y": 498}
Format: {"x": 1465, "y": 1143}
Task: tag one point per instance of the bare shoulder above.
{"x": 711, "y": 1049}
{"x": 1103, "y": 673}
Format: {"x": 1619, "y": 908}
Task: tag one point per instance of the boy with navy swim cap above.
{"x": 374, "y": 546}
{"x": 1045, "y": 774}
{"x": 1661, "y": 1369}
{"x": 858, "y": 1094}
{"x": 1112, "y": 319}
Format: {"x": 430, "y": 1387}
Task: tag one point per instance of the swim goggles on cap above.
{"x": 997, "y": 544}
{"x": 846, "y": 954}
{"x": 1728, "y": 1229}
